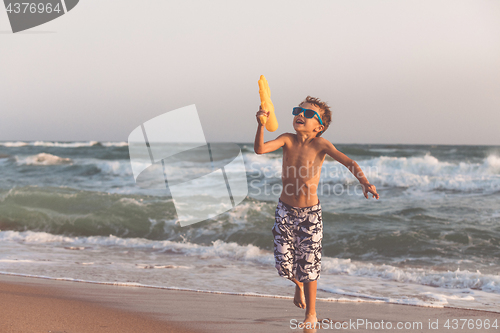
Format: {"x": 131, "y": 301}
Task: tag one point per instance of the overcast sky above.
{"x": 393, "y": 71}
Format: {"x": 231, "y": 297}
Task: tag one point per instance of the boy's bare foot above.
{"x": 310, "y": 318}
{"x": 310, "y": 324}
{"x": 299, "y": 299}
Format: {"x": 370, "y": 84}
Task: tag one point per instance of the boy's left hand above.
{"x": 367, "y": 187}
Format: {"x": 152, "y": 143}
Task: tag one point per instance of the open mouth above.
{"x": 300, "y": 121}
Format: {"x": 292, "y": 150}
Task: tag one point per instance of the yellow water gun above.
{"x": 267, "y": 105}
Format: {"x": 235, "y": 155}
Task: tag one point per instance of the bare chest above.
{"x": 304, "y": 163}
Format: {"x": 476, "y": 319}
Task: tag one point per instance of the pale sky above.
{"x": 411, "y": 72}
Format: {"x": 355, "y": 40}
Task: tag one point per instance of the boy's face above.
{"x": 308, "y": 125}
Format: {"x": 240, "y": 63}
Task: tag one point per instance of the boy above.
{"x": 298, "y": 229}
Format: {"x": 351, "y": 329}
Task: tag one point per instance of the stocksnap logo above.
{"x": 170, "y": 153}
{"x": 26, "y": 15}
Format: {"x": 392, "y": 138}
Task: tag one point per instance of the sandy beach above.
{"x": 43, "y": 305}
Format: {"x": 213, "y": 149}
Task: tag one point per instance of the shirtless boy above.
{"x": 298, "y": 229}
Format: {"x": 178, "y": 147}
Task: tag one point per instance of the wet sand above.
{"x": 43, "y": 305}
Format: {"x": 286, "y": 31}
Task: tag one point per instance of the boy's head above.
{"x": 322, "y": 109}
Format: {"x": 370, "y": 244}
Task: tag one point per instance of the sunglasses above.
{"x": 308, "y": 113}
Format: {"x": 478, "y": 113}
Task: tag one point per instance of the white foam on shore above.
{"x": 226, "y": 268}
{"x": 449, "y": 280}
{"x": 132, "y": 284}
{"x": 361, "y": 299}
{"x": 378, "y": 299}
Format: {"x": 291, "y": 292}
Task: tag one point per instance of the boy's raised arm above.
{"x": 259, "y": 146}
{"x": 350, "y": 164}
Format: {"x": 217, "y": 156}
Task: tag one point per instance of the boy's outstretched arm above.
{"x": 350, "y": 164}
{"x": 259, "y": 146}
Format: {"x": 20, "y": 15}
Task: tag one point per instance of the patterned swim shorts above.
{"x": 298, "y": 232}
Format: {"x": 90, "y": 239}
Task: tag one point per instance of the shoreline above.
{"x": 32, "y": 304}
{"x": 137, "y": 285}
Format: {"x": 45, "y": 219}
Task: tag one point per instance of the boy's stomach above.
{"x": 298, "y": 193}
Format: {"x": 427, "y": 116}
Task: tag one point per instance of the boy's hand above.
{"x": 367, "y": 187}
{"x": 261, "y": 112}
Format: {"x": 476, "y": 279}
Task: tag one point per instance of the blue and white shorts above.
{"x": 298, "y": 232}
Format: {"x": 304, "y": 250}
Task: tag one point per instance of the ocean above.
{"x": 72, "y": 210}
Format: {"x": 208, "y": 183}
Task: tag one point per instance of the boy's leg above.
{"x": 310, "y": 295}
{"x": 308, "y": 257}
{"x": 299, "y": 299}
{"x": 284, "y": 250}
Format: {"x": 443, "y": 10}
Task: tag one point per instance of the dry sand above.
{"x": 42, "y": 305}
